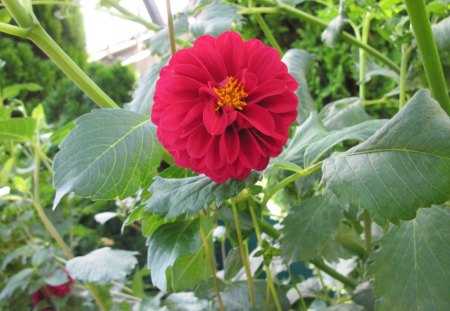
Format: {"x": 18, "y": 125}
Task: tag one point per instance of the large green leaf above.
{"x": 175, "y": 197}
{"x": 189, "y": 269}
{"x": 343, "y": 113}
{"x": 109, "y": 154}
{"x": 102, "y": 265}
{"x": 171, "y": 244}
{"x": 299, "y": 63}
{"x": 404, "y": 166}
{"x": 215, "y": 18}
{"x": 360, "y": 132}
{"x": 19, "y": 281}
{"x": 412, "y": 268}
{"x": 441, "y": 31}
{"x": 142, "y": 102}
{"x": 17, "y": 129}
{"x": 309, "y": 226}
{"x": 14, "y": 90}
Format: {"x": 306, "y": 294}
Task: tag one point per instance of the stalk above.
{"x": 367, "y": 232}
{"x": 273, "y": 42}
{"x": 266, "y": 266}
{"x": 14, "y": 30}
{"x": 212, "y": 267}
{"x": 428, "y": 51}
{"x": 173, "y": 48}
{"x": 244, "y": 256}
{"x": 406, "y": 53}
{"x": 363, "y": 57}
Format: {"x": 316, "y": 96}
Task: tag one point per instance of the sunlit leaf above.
{"x": 102, "y": 265}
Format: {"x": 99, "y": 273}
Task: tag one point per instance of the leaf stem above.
{"x": 363, "y": 57}
{"x": 428, "y": 51}
{"x": 261, "y": 245}
{"x": 406, "y": 53}
{"x": 345, "y": 35}
{"x": 273, "y": 42}
{"x": 244, "y": 256}
{"x": 130, "y": 16}
{"x": 40, "y": 37}
{"x": 14, "y": 30}
{"x": 212, "y": 266}
{"x": 173, "y": 48}
{"x": 367, "y": 231}
{"x": 289, "y": 180}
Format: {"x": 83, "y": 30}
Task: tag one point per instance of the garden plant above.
{"x": 280, "y": 155}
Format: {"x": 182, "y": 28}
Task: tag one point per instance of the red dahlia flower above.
{"x": 223, "y": 107}
{"x": 48, "y": 291}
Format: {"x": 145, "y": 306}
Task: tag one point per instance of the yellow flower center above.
{"x": 231, "y": 95}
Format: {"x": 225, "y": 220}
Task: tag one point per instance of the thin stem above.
{"x": 363, "y": 57}
{"x": 289, "y": 180}
{"x": 40, "y": 37}
{"x": 23, "y": 15}
{"x": 375, "y": 101}
{"x": 259, "y": 10}
{"x": 428, "y": 51}
{"x": 173, "y": 48}
{"x": 322, "y": 284}
{"x": 345, "y": 35}
{"x": 98, "y": 300}
{"x": 266, "y": 266}
{"x": 40, "y": 211}
{"x": 14, "y": 30}
{"x": 367, "y": 231}
{"x": 273, "y": 42}
{"x": 130, "y": 16}
{"x": 212, "y": 266}
{"x": 333, "y": 273}
{"x": 406, "y": 52}
{"x": 244, "y": 256}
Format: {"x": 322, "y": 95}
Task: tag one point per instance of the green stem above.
{"x": 173, "y": 48}
{"x": 40, "y": 37}
{"x": 333, "y": 273}
{"x": 428, "y": 51}
{"x": 345, "y": 35}
{"x": 130, "y": 16}
{"x": 23, "y": 16}
{"x": 14, "y": 30}
{"x": 367, "y": 232}
{"x": 244, "y": 256}
{"x": 406, "y": 52}
{"x": 267, "y": 266}
{"x": 259, "y": 10}
{"x": 375, "y": 101}
{"x": 273, "y": 42}
{"x": 363, "y": 57}
{"x": 212, "y": 266}
{"x": 289, "y": 180}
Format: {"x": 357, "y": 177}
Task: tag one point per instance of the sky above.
{"x": 103, "y": 29}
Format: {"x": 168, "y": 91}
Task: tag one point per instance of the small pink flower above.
{"x": 224, "y": 106}
{"x": 48, "y": 291}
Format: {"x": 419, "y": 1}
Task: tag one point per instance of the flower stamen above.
{"x": 231, "y": 95}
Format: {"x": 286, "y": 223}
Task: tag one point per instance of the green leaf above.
{"x": 309, "y": 226}
{"x": 4, "y": 18}
{"x": 186, "y": 302}
{"x": 215, "y": 18}
{"x": 167, "y": 245}
{"x": 187, "y": 196}
{"x": 61, "y": 133}
{"x": 110, "y": 154}
{"x": 18, "y": 281}
{"x": 310, "y": 131}
{"x": 159, "y": 43}
{"x": 142, "y": 102}
{"x": 405, "y": 165}
{"x": 189, "y": 269}
{"x": 17, "y": 129}
{"x": 360, "y": 132}
{"x": 102, "y": 265}
{"x": 343, "y": 113}
{"x": 57, "y": 278}
{"x": 373, "y": 69}
{"x": 345, "y": 307}
{"x": 13, "y": 91}
{"x": 412, "y": 268}
{"x": 331, "y": 33}
{"x": 299, "y": 63}
{"x": 441, "y": 31}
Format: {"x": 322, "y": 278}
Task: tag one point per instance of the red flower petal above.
{"x": 259, "y": 118}
{"x": 215, "y": 121}
{"x": 199, "y": 142}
